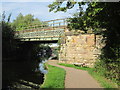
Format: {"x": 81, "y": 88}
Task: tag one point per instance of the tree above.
{"x": 8, "y": 42}
{"x": 84, "y": 18}
{"x": 19, "y": 59}
{"x": 23, "y": 22}
{"x": 8, "y": 48}
{"x": 99, "y": 16}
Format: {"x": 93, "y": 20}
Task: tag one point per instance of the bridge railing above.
{"x": 48, "y": 25}
{"x": 53, "y": 28}
{"x": 57, "y": 22}
{"x": 42, "y": 34}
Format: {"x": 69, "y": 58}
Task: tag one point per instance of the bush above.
{"x": 110, "y": 70}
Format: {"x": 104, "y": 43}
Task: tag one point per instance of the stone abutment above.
{"x": 82, "y": 49}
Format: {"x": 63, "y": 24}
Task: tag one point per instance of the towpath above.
{"x": 76, "y": 78}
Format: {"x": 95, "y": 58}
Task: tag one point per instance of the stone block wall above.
{"x": 80, "y": 49}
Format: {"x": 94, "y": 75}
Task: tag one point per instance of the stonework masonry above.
{"x": 83, "y": 49}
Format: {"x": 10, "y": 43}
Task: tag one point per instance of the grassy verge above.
{"x": 102, "y": 80}
{"x": 54, "y": 78}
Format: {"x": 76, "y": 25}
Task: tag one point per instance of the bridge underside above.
{"x": 51, "y": 35}
{"x": 38, "y": 40}
{"x": 43, "y": 34}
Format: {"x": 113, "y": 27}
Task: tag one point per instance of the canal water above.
{"x": 42, "y": 67}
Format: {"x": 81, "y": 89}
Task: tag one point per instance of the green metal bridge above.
{"x": 51, "y": 31}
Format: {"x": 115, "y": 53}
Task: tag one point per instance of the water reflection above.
{"x": 42, "y": 68}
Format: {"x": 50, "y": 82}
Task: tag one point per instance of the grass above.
{"x": 102, "y": 80}
{"x": 54, "y": 78}
{"x": 77, "y": 67}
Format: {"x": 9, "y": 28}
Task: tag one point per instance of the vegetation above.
{"x": 20, "y": 60}
{"x": 26, "y": 22}
{"x": 54, "y": 78}
{"x": 74, "y": 66}
{"x": 55, "y": 53}
{"x": 102, "y": 18}
{"x": 44, "y": 51}
{"x": 102, "y": 80}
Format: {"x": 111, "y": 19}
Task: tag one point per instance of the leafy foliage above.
{"x": 8, "y": 44}
{"x": 45, "y": 52}
{"x": 22, "y": 22}
{"x": 58, "y": 6}
{"x": 20, "y": 60}
{"x": 102, "y": 18}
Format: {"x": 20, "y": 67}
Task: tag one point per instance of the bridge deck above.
{"x": 49, "y": 32}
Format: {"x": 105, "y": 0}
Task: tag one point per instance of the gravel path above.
{"x": 76, "y": 78}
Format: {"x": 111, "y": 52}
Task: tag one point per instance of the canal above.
{"x": 25, "y": 68}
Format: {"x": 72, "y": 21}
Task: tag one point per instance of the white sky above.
{"x": 27, "y": 0}
{"x": 38, "y": 9}
{"x": 59, "y": 0}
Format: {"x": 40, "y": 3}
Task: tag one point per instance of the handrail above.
{"x": 56, "y": 20}
{"x": 48, "y": 24}
{"x": 46, "y": 28}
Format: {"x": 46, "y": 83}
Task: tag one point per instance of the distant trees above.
{"x": 45, "y": 51}
{"x": 21, "y": 22}
{"x": 20, "y": 60}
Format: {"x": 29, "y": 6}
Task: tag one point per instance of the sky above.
{"x": 40, "y": 10}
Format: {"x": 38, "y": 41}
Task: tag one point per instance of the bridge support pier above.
{"x": 83, "y": 49}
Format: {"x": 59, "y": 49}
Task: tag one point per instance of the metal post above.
{"x": 59, "y": 24}
{"x": 95, "y": 39}
{"x": 53, "y": 25}
{"x": 64, "y": 23}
